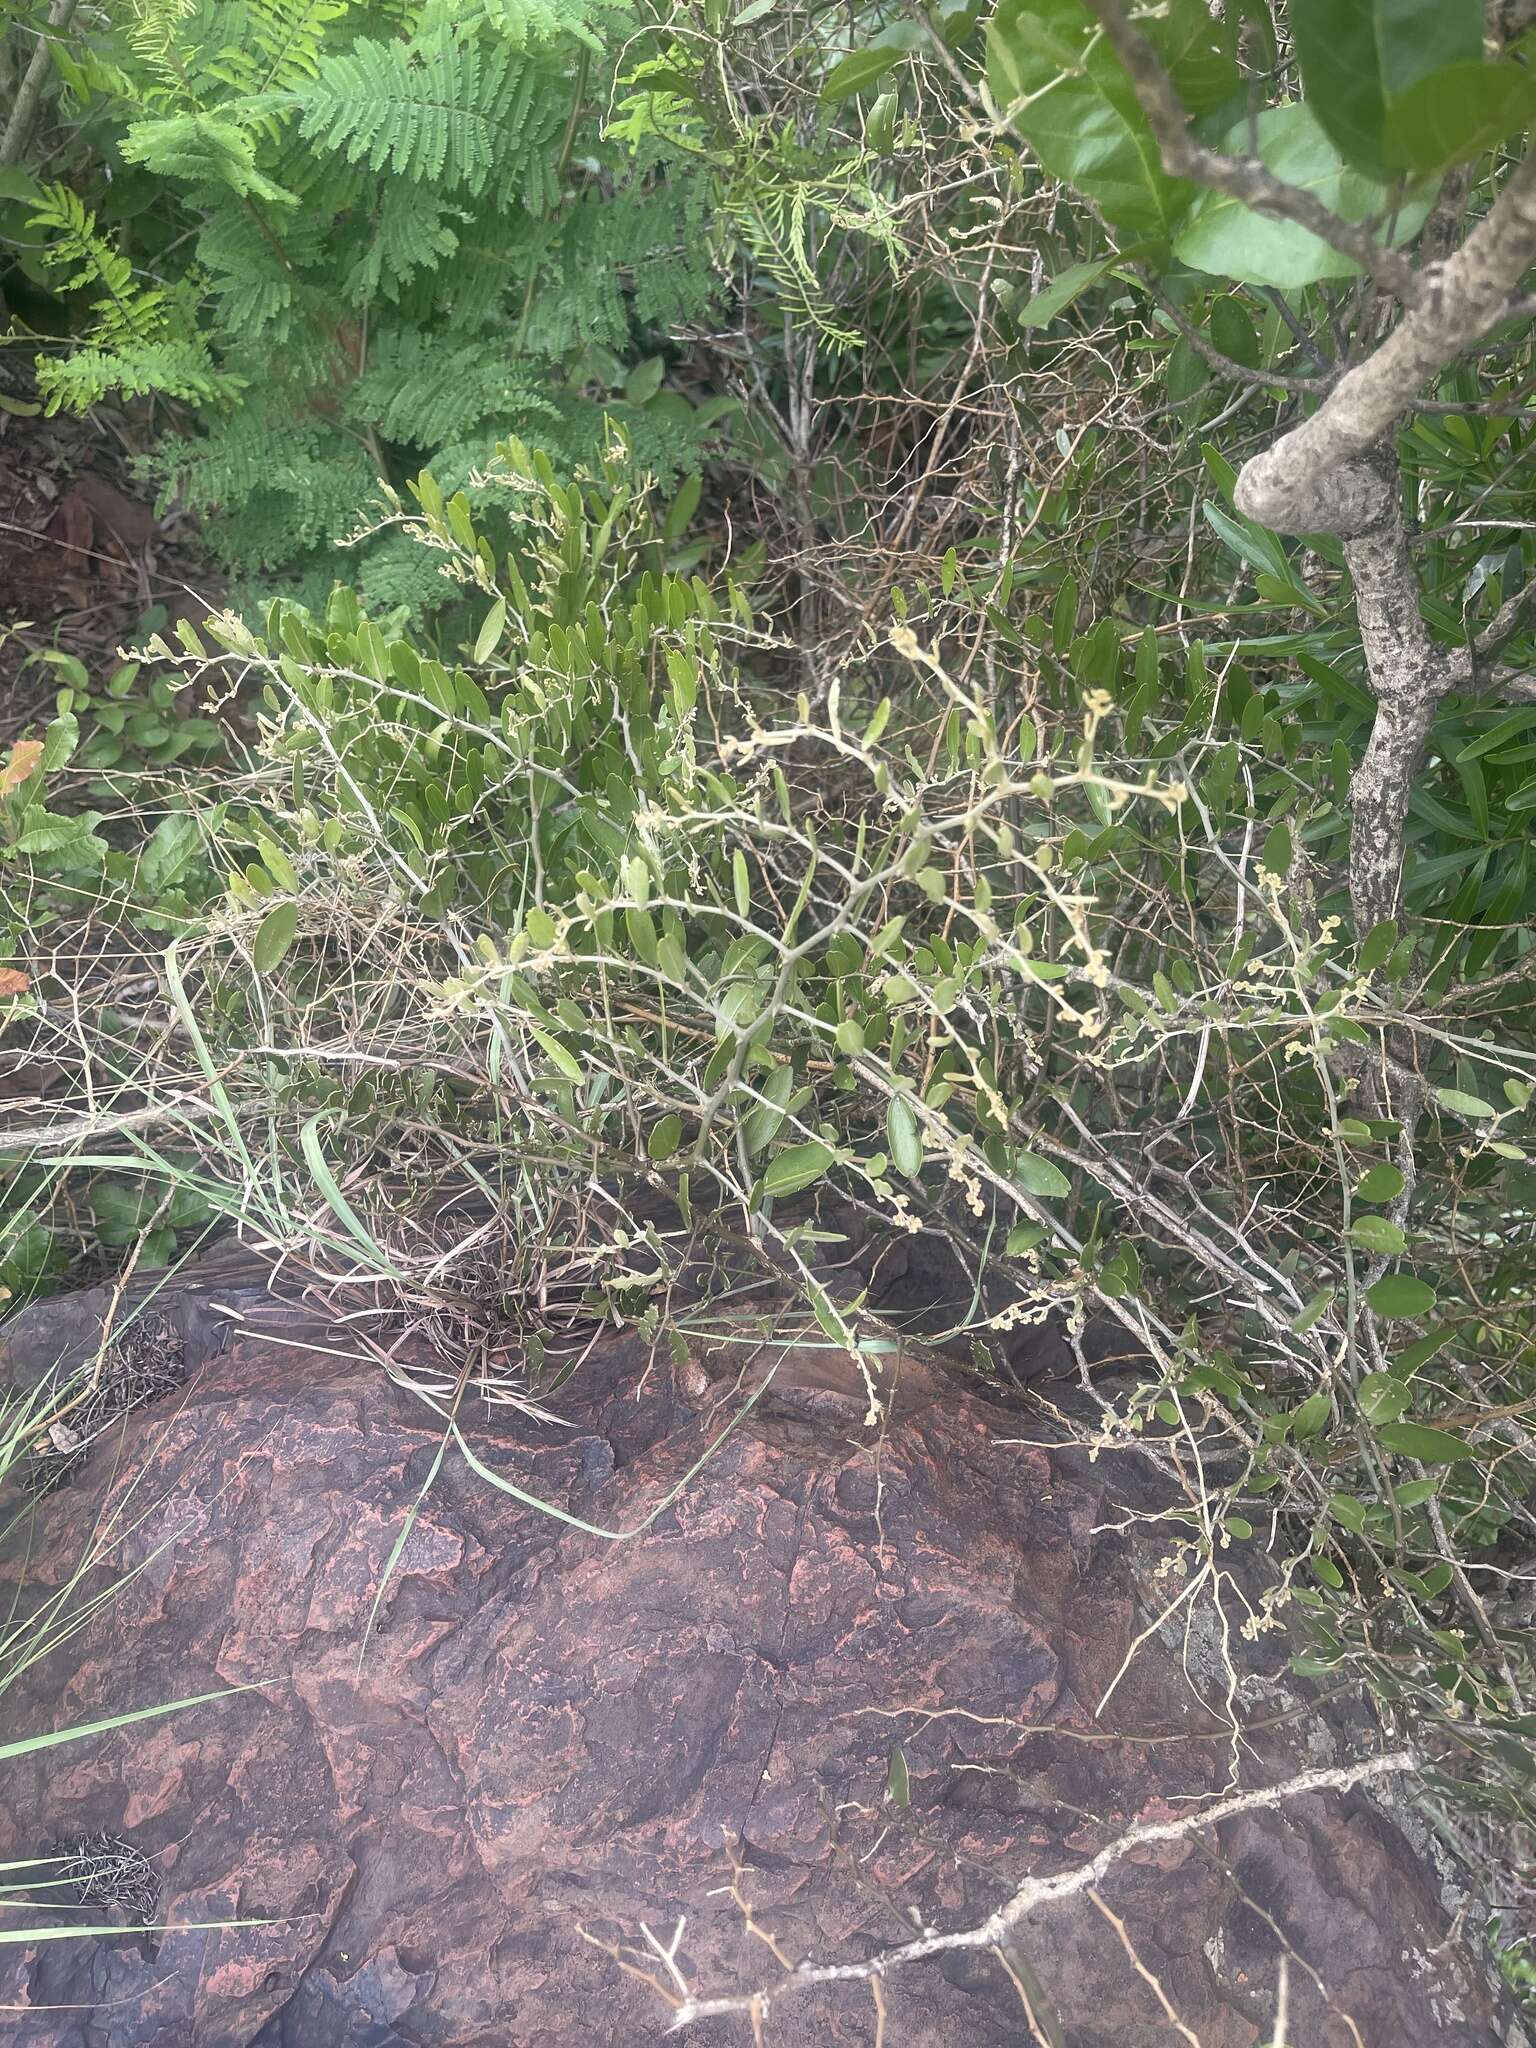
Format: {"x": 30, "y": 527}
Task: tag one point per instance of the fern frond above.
{"x": 154, "y": 29}
{"x": 293, "y": 485}
{"x": 412, "y": 231}
{"x": 523, "y": 24}
{"x": 444, "y": 110}
{"x": 420, "y": 390}
{"x": 176, "y": 366}
{"x": 289, "y": 35}
{"x": 641, "y": 253}
{"x": 205, "y": 149}
{"x": 125, "y": 311}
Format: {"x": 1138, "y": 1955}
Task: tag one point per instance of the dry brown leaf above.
{"x": 24, "y": 757}
{"x": 13, "y": 982}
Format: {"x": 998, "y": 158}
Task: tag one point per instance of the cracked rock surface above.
{"x": 550, "y": 1736}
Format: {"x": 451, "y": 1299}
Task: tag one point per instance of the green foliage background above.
{"x": 812, "y": 726}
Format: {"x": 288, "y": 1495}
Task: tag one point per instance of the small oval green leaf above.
{"x": 1311, "y": 1416}
{"x": 488, "y": 639}
{"x": 901, "y": 1129}
{"x": 796, "y": 1167}
{"x": 274, "y": 935}
{"x": 1401, "y": 1295}
{"x": 1040, "y": 1177}
{"x": 1429, "y": 1446}
{"x": 1463, "y": 1105}
{"x": 666, "y": 1136}
{"x": 1376, "y": 1234}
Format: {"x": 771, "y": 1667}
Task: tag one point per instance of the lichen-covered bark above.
{"x": 1335, "y": 472}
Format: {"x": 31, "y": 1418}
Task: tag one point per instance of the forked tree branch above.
{"x": 1335, "y": 471}
{"x": 993, "y": 1933}
{"x": 1243, "y": 178}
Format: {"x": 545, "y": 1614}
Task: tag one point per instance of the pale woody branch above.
{"x": 993, "y": 1933}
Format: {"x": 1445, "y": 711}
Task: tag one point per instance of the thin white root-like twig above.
{"x": 1036, "y": 1892}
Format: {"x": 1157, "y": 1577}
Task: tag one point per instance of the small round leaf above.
{"x": 1400, "y": 1295}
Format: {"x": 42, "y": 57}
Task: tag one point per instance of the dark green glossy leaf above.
{"x": 1067, "y": 285}
{"x": 1358, "y": 57}
{"x": 1056, "y": 79}
{"x": 1401, "y": 1295}
{"x": 1223, "y": 236}
{"x": 666, "y": 1136}
{"x": 1457, "y": 112}
{"x": 1040, "y": 1177}
{"x": 274, "y": 935}
{"x": 796, "y": 1167}
{"x": 1429, "y": 1446}
{"x": 858, "y": 71}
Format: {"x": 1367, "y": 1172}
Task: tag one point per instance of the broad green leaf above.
{"x": 274, "y": 935}
{"x": 1379, "y": 941}
{"x": 1022, "y": 1238}
{"x": 1429, "y": 1446}
{"x": 1234, "y": 333}
{"x": 1311, "y": 1416}
{"x": 1463, "y": 1105}
{"x": 1040, "y": 1176}
{"x": 1278, "y": 849}
{"x": 796, "y": 1167}
{"x": 1058, "y": 295}
{"x": 1415, "y": 1492}
{"x": 644, "y": 381}
{"x": 1458, "y": 112}
{"x": 562, "y": 1056}
{"x": 172, "y": 847}
{"x": 1314, "y": 1308}
{"x": 1221, "y": 235}
{"x": 904, "y": 1136}
{"x": 641, "y": 927}
{"x": 666, "y": 1136}
{"x": 276, "y": 862}
{"x": 1382, "y": 1398}
{"x": 1420, "y": 1352}
{"x": 1255, "y": 545}
{"x": 1376, "y": 1234}
{"x": 766, "y": 1118}
{"x": 858, "y": 71}
{"x": 1056, "y": 79}
{"x": 1400, "y": 1295}
{"x": 60, "y": 739}
{"x": 48, "y": 832}
{"x": 1381, "y": 1184}
{"x": 1358, "y": 57}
